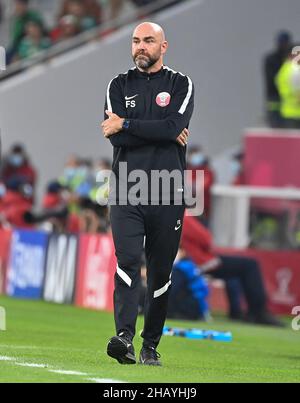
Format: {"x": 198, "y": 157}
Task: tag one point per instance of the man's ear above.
{"x": 164, "y": 47}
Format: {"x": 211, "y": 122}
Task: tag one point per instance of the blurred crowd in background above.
{"x": 71, "y": 201}
{"x": 30, "y": 34}
{"x": 79, "y": 187}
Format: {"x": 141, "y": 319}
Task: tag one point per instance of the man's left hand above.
{"x": 112, "y": 125}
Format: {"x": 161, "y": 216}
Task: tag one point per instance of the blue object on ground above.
{"x": 198, "y": 334}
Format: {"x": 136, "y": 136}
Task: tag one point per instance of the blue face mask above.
{"x": 235, "y": 167}
{"x": 197, "y": 159}
{"x": 83, "y": 171}
{"x": 69, "y": 173}
{"x": 16, "y": 160}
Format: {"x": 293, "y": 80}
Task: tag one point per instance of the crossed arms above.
{"x": 174, "y": 128}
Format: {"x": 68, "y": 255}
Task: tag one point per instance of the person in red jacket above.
{"x": 16, "y": 201}
{"x": 197, "y": 242}
{"x": 16, "y": 165}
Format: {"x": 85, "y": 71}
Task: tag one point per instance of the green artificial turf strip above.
{"x": 72, "y": 339}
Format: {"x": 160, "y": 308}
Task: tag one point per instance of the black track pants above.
{"x": 161, "y": 225}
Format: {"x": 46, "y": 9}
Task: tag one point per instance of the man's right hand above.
{"x": 182, "y": 138}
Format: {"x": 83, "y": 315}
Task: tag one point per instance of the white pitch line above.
{"x": 11, "y": 346}
{"x": 27, "y": 364}
{"x": 60, "y": 371}
{"x": 104, "y": 380}
{"x": 3, "y": 358}
{"x": 14, "y": 361}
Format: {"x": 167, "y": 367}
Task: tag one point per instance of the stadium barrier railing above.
{"x": 230, "y": 222}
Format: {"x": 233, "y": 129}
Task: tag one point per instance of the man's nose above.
{"x": 141, "y": 46}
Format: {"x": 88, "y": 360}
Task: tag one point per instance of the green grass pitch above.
{"x": 51, "y": 343}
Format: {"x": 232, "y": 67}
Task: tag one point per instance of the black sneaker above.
{"x": 121, "y": 348}
{"x": 149, "y": 356}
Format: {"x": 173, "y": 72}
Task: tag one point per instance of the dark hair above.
{"x": 87, "y": 204}
{"x": 55, "y": 187}
{"x": 105, "y": 161}
{"x": 194, "y": 148}
{"x": 17, "y": 148}
{"x": 283, "y": 37}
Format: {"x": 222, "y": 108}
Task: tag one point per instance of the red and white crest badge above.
{"x": 163, "y": 99}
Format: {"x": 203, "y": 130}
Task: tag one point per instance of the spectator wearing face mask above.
{"x": 17, "y": 166}
{"x": 85, "y": 178}
{"x": 69, "y": 176}
{"x": 79, "y": 178}
{"x": 198, "y": 161}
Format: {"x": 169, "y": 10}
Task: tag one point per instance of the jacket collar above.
{"x": 142, "y": 74}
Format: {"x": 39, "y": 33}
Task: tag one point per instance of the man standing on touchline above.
{"x": 147, "y": 114}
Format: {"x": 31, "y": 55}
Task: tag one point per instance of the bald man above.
{"x": 147, "y": 114}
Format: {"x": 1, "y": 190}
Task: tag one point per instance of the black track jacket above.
{"x": 159, "y": 106}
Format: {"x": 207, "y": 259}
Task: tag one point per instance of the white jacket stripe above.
{"x": 109, "y": 107}
{"x": 162, "y": 290}
{"x": 124, "y": 276}
{"x": 187, "y": 98}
